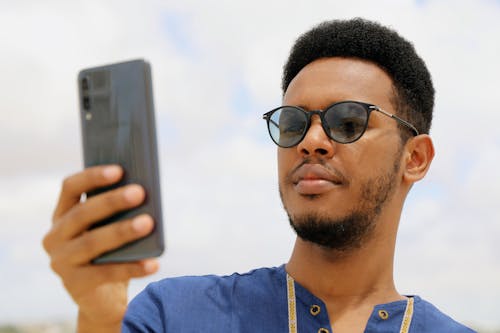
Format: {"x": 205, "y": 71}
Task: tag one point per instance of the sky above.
{"x": 216, "y": 70}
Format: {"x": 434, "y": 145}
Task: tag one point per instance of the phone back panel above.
{"x": 118, "y": 127}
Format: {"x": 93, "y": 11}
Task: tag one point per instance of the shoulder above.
{"x": 203, "y": 283}
{"x": 179, "y": 298}
{"x": 431, "y": 319}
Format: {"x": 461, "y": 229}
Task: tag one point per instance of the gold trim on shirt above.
{"x": 292, "y": 309}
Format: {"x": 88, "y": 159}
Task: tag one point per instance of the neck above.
{"x": 359, "y": 279}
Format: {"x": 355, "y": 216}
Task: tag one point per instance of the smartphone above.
{"x": 118, "y": 127}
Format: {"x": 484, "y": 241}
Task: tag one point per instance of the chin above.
{"x": 323, "y": 204}
{"x": 340, "y": 233}
{"x": 320, "y": 211}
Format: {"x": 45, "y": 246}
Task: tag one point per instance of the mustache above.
{"x": 291, "y": 176}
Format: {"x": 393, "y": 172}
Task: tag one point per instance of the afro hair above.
{"x": 363, "y": 39}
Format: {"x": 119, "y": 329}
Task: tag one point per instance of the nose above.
{"x": 316, "y": 142}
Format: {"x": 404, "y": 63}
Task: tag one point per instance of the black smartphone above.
{"x": 118, "y": 127}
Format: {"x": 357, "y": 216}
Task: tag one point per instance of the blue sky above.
{"x": 216, "y": 70}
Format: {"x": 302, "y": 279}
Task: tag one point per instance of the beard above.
{"x": 347, "y": 233}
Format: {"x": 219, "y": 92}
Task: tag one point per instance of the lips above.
{"x": 314, "y": 179}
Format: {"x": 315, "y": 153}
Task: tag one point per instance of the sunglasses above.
{"x": 343, "y": 122}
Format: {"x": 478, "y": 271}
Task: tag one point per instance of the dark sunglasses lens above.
{"x": 287, "y": 126}
{"x": 346, "y": 121}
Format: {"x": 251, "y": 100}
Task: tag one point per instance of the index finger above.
{"x": 85, "y": 181}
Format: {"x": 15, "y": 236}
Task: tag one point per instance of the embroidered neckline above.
{"x": 292, "y": 309}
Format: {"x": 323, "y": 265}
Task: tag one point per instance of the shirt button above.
{"x": 315, "y": 309}
{"x": 383, "y": 314}
{"x": 323, "y": 330}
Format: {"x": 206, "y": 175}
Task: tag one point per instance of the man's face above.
{"x": 333, "y": 192}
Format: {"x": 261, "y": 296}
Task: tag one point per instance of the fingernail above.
{"x": 132, "y": 193}
{"x": 111, "y": 172}
{"x": 142, "y": 224}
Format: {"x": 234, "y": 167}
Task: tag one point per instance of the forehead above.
{"x": 329, "y": 80}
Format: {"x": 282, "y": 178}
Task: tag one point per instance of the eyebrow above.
{"x": 311, "y": 109}
{"x": 330, "y": 103}
{"x": 305, "y": 108}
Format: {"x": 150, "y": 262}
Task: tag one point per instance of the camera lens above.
{"x": 86, "y": 103}
{"x": 85, "y": 84}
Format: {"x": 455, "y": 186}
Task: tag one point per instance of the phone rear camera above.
{"x": 85, "y": 84}
{"x": 86, "y": 103}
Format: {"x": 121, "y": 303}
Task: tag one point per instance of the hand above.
{"x": 100, "y": 291}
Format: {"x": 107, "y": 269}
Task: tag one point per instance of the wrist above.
{"x": 87, "y": 325}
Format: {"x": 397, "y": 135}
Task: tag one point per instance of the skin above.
{"x": 352, "y": 283}
{"x": 100, "y": 291}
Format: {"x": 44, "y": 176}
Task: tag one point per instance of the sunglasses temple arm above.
{"x": 410, "y": 126}
{"x": 402, "y": 121}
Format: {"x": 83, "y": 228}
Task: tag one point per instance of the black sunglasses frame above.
{"x": 321, "y": 113}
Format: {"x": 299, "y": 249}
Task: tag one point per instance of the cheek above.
{"x": 377, "y": 158}
{"x": 285, "y": 162}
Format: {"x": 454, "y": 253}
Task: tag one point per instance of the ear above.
{"x": 419, "y": 152}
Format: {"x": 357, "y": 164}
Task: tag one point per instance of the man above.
{"x": 353, "y": 139}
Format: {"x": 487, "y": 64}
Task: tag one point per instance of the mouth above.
{"x": 315, "y": 179}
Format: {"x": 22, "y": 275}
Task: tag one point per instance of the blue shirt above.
{"x": 257, "y": 302}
